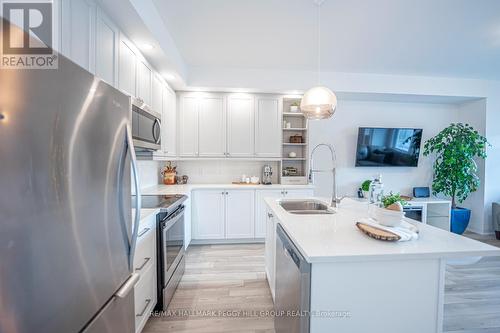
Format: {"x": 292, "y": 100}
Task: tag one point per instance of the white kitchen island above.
{"x": 359, "y": 284}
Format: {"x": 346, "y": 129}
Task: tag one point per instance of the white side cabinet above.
{"x": 127, "y": 67}
{"x": 188, "y": 126}
{"x": 261, "y": 207}
{"x": 240, "y": 126}
{"x": 169, "y": 122}
{"x": 144, "y": 81}
{"x": 145, "y": 266}
{"x": 78, "y": 32}
{"x": 223, "y": 214}
{"x": 157, "y": 93}
{"x": 107, "y": 44}
{"x": 268, "y": 126}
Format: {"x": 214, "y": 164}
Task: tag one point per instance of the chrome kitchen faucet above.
{"x": 335, "y": 200}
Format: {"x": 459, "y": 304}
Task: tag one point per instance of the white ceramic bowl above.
{"x": 386, "y": 217}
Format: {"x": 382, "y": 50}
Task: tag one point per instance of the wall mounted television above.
{"x": 388, "y": 147}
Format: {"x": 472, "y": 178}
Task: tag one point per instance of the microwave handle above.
{"x": 157, "y": 122}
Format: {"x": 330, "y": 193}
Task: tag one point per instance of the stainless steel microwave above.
{"x": 146, "y": 126}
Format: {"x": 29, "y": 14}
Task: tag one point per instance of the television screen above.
{"x": 381, "y": 147}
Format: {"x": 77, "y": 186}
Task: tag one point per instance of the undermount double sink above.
{"x": 306, "y": 207}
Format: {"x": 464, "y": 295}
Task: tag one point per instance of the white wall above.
{"x": 341, "y": 131}
{"x": 474, "y": 114}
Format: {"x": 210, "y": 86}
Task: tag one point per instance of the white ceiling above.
{"x": 451, "y": 38}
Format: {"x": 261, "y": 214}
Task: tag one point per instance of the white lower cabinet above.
{"x": 223, "y": 214}
{"x": 208, "y": 214}
{"x": 270, "y": 251}
{"x": 261, "y": 208}
{"x": 145, "y": 266}
{"x": 240, "y": 212}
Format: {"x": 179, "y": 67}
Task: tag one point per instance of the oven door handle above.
{"x": 172, "y": 219}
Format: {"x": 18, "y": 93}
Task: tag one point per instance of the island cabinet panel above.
{"x": 240, "y": 214}
{"x": 394, "y": 295}
{"x": 261, "y": 210}
{"x": 208, "y": 214}
{"x": 270, "y": 250}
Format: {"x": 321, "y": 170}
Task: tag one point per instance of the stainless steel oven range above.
{"x": 169, "y": 243}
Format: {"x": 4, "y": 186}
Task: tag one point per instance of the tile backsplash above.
{"x": 222, "y": 172}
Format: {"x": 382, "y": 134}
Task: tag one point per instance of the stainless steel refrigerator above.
{"x": 66, "y": 232}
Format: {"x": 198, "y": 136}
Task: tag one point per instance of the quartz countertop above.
{"x": 335, "y": 238}
{"x": 186, "y": 189}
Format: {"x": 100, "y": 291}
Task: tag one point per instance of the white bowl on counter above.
{"x": 386, "y": 217}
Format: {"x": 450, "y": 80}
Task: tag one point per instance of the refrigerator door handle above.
{"x": 128, "y": 286}
{"x": 138, "y": 203}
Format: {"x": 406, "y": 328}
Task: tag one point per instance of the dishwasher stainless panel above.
{"x": 293, "y": 287}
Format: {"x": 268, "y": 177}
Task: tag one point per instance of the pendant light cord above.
{"x": 319, "y": 41}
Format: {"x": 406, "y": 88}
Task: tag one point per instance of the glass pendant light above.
{"x": 318, "y": 102}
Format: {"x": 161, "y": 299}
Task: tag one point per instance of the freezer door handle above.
{"x": 138, "y": 203}
{"x": 128, "y": 286}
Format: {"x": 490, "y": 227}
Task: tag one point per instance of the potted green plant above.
{"x": 294, "y": 107}
{"x": 365, "y": 187}
{"x": 455, "y": 169}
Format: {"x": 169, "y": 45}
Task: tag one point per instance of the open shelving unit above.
{"x": 293, "y": 170}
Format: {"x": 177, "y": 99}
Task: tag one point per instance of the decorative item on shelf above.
{"x": 181, "y": 180}
{"x": 457, "y": 180}
{"x": 296, "y": 139}
{"x": 168, "y": 173}
{"x": 254, "y": 180}
{"x": 292, "y": 154}
{"x": 290, "y": 171}
{"x": 288, "y": 124}
{"x": 365, "y": 187}
{"x": 294, "y": 107}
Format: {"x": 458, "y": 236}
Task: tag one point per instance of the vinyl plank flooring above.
{"x": 223, "y": 280}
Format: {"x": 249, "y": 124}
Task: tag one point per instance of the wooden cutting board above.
{"x": 377, "y": 233}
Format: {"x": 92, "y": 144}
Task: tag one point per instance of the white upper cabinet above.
{"x": 240, "y": 209}
{"x": 241, "y": 125}
{"x": 212, "y": 125}
{"x": 78, "y": 33}
{"x": 268, "y": 126}
{"x": 188, "y": 126}
{"x": 144, "y": 81}
{"x": 169, "y": 122}
{"x": 127, "y": 68}
{"x": 107, "y": 43}
{"x": 157, "y": 94}
{"x": 208, "y": 214}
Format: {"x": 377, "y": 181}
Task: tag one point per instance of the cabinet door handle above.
{"x": 143, "y": 232}
{"x": 146, "y": 260}
{"x": 270, "y": 215}
{"x": 148, "y": 301}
